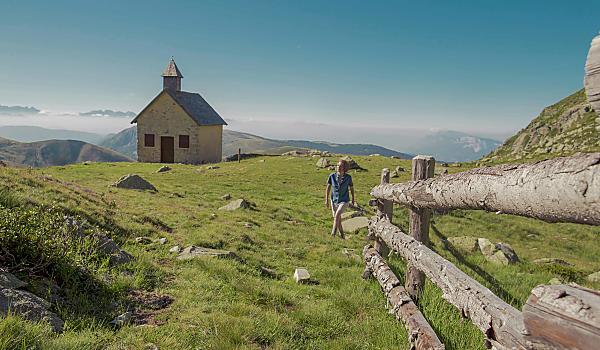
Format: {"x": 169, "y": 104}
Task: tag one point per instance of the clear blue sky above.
{"x": 464, "y": 65}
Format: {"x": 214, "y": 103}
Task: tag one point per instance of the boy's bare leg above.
{"x": 335, "y": 223}
{"x": 338, "y": 219}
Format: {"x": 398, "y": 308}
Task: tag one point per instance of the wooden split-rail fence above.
{"x": 558, "y": 190}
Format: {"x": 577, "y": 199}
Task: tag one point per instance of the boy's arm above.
{"x": 327, "y": 195}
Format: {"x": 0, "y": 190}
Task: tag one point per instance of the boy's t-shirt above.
{"x": 339, "y": 187}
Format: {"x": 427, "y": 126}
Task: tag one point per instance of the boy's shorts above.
{"x": 341, "y": 206}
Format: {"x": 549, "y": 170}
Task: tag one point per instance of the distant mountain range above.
{"x": 454, "y": 146}
{"x": 125, "y": 142}
{"x": 35, "y": 133}
{"x": 566, "y": 127}
{"x": 55, "y": 152}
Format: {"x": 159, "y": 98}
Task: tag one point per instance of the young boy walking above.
{"x": 339, "y": 184}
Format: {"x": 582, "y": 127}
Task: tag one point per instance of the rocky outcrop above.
{"x": 28, "y": 306}
{"x": 236, "y": 204}
{"x": 564, "y": 128}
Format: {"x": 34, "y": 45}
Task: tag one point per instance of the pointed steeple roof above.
{"x": 172, "y": 70}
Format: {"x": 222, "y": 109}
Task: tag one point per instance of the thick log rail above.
{"x": 500, "y": 322}
{"x": 564, "y": 189}
{"x": 421, "y": 335}
{"x": 559, "y": 190}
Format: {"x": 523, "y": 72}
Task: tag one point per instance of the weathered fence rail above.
{"x": 559, "y": 190}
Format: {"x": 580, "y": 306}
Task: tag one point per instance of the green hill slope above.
{"x": 55, "y": 152}
{"x": 564, "y": 128}
{"x": 231, "y": 303}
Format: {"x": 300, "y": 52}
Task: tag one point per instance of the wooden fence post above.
{"x": 239, "y": 155}
{"x": 423, "y": 167}
{"x": 384, "y": 208}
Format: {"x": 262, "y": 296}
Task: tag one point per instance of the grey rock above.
{"x": 122, "y": 319}
{"x": 465, "y": 243}
{"x": 226, "y": 197}
{"x": 195, "y": 251}
{"x": 350, "y": 254}
{"x": 400, "y": 169}
{"x": 175, "y": 249}
{"x": 212, "y": 167}
{"x": 134, "y": 182}
{"x": 247, "y": 225}
{"x": 351, "y": 214}
{"x": 143, "y": 240}
{"x": 28, "y": 306}
{"x": 352, "y": 164}
{"x": 301, "y": 275}
{"x": 162, "y": 240}
{"x": 355, "y": 224}
{"x": 236, "y": 204}
{"x": 163, "y": 169}
{"x": 486, "y": 247}
{"x": 508, "y": 251}
{"x": 267, "y": 272}
{"x": 323, "y": 163}
{"x": 8, "y": 280}
{"x": 107, "y": 246}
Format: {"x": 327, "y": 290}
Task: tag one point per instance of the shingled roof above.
{"x": 194, "y": 105}
{"x": 172, "y": 70}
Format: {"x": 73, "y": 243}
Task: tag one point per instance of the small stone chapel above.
{"x": 178, "y": 126}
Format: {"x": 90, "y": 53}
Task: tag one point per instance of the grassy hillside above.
{"x": 229, "y": 303}
{"x": 564, "y": 128}
{"x": 55, "y": 152}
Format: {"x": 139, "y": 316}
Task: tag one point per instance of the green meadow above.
{"x": 224, "y": 303}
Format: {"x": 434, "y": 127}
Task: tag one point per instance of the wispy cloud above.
{"x": 18, "y": 110}
{"x": 108, "y": 113}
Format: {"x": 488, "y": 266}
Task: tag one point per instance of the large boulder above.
{"x": 486, "y": 247}
{"x": 355, "y": 224}
{"x": 323, "y": 163}
{"x": 236, "y": 204}
{"x": 464, "y": 243}
{"x": 8, "y": 280}
{"x": 195, "y": 251}
{"x": 508, "y": 252}
{"x": 28, "y": 306}
{"x": 134, "y": 182}
{"x": 501, "y": 253}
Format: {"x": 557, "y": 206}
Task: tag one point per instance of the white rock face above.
{"x": 301, "y": 275}
{"x": 592, "y": 74}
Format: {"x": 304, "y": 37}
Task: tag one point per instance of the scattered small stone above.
{"x": 195, "y": 251}
{"x": 143, "y": 240}
{"x": 226, "y": 197}
{"x": 350, "y": 214}
{"x": 108, "y": 247}
{"x": 162, "y": 240}
{"x": 261, "y": 161}
{"x": 87, "y": 162}
{"x": 351, "y": 255}
{"x": 247, "y": 225}
{"x": 508, "y": 252}
{"x": 465, "y": 243}
{"x": 175, "y": 249}
{"x": 394, "y": 174}
{"x": 400, "y": 169}
{"x": 236, "y": 204}
{"x": 8, "y": 280}
{"x": 134, "y": 182}
{"x": 122, "y": 319}
{"x": 163, "y": 169}
{"x": 268, "y": 272}
{"x": 594, "y": 277}
{"x": 213, "y": 216}
{"x": 212, "y": 167}
{"x": 351, "y": 163}
{"x": 354, "y": 224}
{"x": 301, "y": 275}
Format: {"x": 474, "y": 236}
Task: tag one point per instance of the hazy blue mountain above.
{"x": 454, "y": 146}
{"x": 35, "y": 133}
{"x": 18, "y": 110}
{"x": 125, "y": 142}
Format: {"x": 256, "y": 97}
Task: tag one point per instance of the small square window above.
{"x": 184, "y": 141}
{"x": 149, "y": 140}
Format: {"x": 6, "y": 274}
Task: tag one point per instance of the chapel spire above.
{"x": 172, "y": 77}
